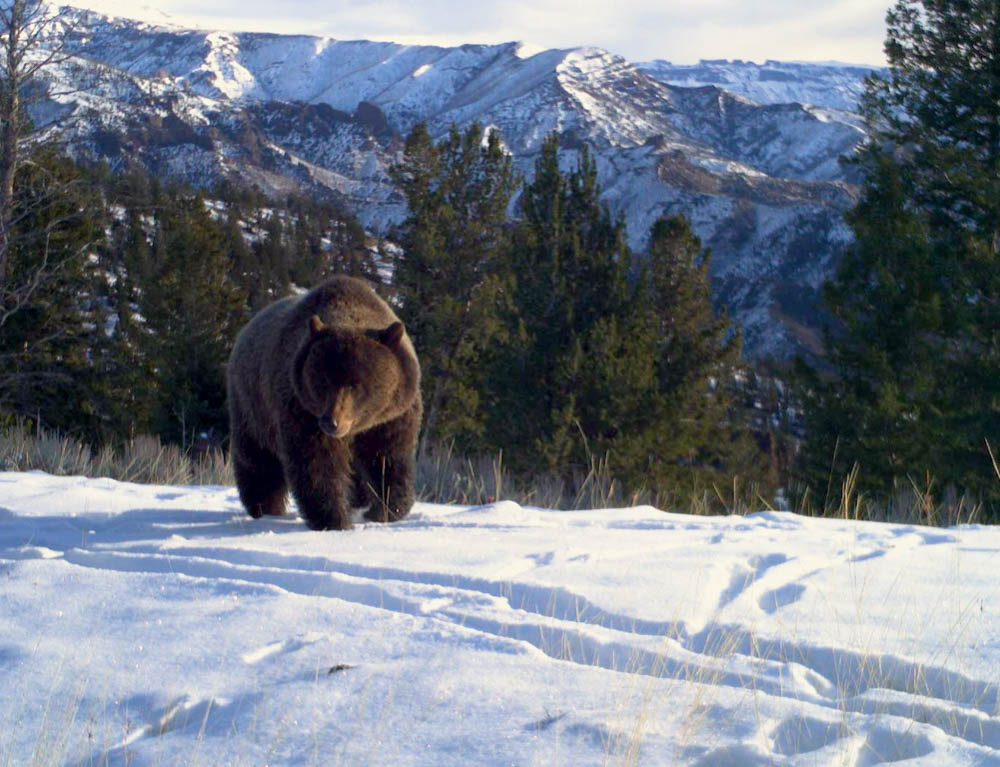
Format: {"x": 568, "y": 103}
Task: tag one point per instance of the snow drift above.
{"x": 160, "y": 625}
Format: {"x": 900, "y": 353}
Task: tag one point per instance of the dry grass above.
{"x": 911, "y": 502}
{"x": 443, "y": 477}
{"x": 142, "y": 459}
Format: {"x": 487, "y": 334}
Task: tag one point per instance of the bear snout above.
{"x": 327, "y": 425}
{"x": 339, "y": 419}
{"x": 334, "y": 427}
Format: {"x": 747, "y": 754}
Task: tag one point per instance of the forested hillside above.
{"x": 760, "y": 182}
{"x": 545, "y": 335}
{"x": 124, "y": 294}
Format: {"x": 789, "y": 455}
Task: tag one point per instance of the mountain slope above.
{"x": 761, "y": 183}
{"x": 832, "y": 85}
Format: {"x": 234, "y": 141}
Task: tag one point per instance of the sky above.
{"x": 676, "y": 30}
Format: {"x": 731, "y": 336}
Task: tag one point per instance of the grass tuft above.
{"x": 142, "y": 459}
{"x": 444, "y": 477}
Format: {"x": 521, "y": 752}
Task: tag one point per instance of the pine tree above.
{"x": 914, "y": 390}
{"x": 614, "y": 357}
{"x": 193, "y": 309}
{"x": 273, "y": 259}
{"x": 883, "y": 409}
{"x": 32, "y": 39}
{"x": 349, "y": 250}
{"x": 246, "y": 268}
{"x": 570, "y": 344}
{"x": 940, "y": 107}
{"x": 452, "y": 278}
{"x": 48, "y": 284}
{"x": 46, "y": 335}
{"x": 124, "y": 370}
{"x": 700, "y": 436}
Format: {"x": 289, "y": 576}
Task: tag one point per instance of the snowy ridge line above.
{"x": 729, "y": 164}
{"x": 777, "y": 668}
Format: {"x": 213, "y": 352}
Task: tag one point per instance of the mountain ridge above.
{"x": 761, "y": 182}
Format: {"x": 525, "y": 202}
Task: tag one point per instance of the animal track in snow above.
{"x": 822, "y": 692}
{"x": 284, "y": 646}
{"x": 773, "y": 600}
{"x": 802, "y": 735}
{"x": 744, "y": 577}
{"x": 570, "y": 628}
{"x": 887, "y": 744}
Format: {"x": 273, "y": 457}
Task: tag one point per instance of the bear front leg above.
{"x": 389, "y": 489}
{"x": 319, "y": 471}
{"x": 259, "y": 477}
{"x": 388, "y": 453}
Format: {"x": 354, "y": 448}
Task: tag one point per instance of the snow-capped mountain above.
{"x": 760, "y": 182}
{"x": 825, "y": 84}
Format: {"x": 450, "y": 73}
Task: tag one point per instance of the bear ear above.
{"x": 392, "y": 335}
{"x": 315, "y": 324}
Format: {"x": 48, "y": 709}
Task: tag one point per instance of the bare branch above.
{"x": 33, "y": 38}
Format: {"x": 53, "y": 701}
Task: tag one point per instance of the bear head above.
{"x": 348, "y": 379}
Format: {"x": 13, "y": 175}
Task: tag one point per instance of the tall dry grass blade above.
{"x": 993, "y": 458}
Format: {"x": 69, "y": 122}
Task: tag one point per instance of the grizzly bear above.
{"x": 324, "y": 398}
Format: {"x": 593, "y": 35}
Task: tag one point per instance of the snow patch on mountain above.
{"x": 829, "y": 84}
{"x": 327, "y": 116}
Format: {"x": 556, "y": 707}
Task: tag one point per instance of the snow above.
{"x": 830, "y": 84}
{"x": 525, "y": 49}
{"x": 160, "y": 625}
{"x": 720, "y": 159}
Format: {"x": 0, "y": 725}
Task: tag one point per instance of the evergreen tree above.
{"x": 122, "y": 297}
{"x": 613, "y": 360}
{"x": 884, "y": 407}
{"x": 246, "y": 268}
{"x": 571, "y": 263}
{"x": 452, "y": 278}
{"x": 193, "y": 310}
{"x": 914, "y": 389}
{"x": 699, "y": 435}
{"x": 32, "y": 39}
{"x": 349, "y": 250}
{"x": 273, "y": 259}
{"x": 49, "y": 286}
{"x": 561, "y": 387}
{"x": 939, "y": 107}
{"x": 47, "y": 333}
{"x": 125, "y": 370}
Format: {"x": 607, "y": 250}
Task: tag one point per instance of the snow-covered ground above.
{"x": 144, "y": 625}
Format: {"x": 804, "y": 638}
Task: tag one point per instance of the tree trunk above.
{"x": 10, "y": 133}
{"x": 994, "y": 137}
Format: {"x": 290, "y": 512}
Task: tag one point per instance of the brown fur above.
{"x": 324, "y": 398}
